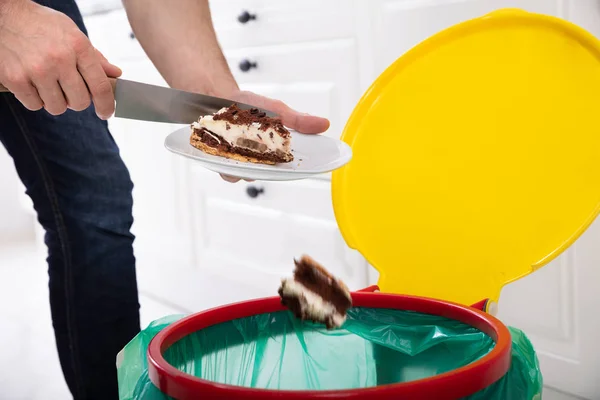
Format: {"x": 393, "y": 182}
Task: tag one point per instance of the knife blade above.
{"x": 142, "y": 101}
{"x": 146, "y": 102}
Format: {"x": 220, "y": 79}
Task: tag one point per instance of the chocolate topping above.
{"x": 235, "y": 115}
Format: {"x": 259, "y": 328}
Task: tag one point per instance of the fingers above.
{"x": 99, "y": 86}
{"x": 291, "y": 118}
{"x": 52, "y": 96}
{"x": 233, "y": 179}
{"x": 111, "y": 70}
{"x": 75, "y": 90}
{"x": 44, "y": 77}
{"x": 54, "y": 65}
{"x": 29, "y": 97}
{"x": 230, "y": 179}
{"x": 24, "y": 91}
{"x": 54, "y": 92}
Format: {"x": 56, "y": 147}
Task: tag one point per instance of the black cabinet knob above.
{"x": 247, "y": 65}
{"x": 131, "y": 35}
{"x": 245, "y": 16}
{"x": 254, "y": 192}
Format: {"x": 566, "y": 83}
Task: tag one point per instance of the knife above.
{"x": 141, "y": 101}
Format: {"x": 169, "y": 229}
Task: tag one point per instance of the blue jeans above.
{"x": 81, "y": 191}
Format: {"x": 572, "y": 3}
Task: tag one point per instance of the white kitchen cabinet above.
{"x": 251, "y": 232}
{"x": 398, "y": 25}
{"x": 243, "y": 23}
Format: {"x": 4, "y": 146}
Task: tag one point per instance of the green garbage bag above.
{"x": 374, "y": 347}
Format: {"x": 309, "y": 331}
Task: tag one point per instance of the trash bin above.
{"x": 457, "y": 147}
{"x": 382, "y": 351}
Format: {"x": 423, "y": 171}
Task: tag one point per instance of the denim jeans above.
{"x": 81, "y": 191}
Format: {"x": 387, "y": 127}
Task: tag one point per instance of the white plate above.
{"x": 313, "y": 155}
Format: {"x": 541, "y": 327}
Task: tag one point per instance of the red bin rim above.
{"x": 454, "y": 384}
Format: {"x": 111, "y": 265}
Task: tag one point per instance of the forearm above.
{"x": 179, "y": 38}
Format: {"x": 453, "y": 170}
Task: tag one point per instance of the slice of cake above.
{"x": 243, "y": 135}
{"x": 314, "y": 294}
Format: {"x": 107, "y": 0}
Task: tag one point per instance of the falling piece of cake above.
{"x": 243, "y": 135}
{"x": 314, "y": 294}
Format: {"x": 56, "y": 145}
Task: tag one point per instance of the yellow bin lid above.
{"x": 476, "y": 157}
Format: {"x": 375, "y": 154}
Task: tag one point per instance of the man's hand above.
{"x": 291, "y": 118}
{"x": 46, "y": 61}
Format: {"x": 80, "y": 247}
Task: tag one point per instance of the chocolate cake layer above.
{"x": 213, "y": 140}
{"x": 316, "y": 279}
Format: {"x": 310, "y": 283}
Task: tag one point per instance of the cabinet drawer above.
{"x": 305, "y": 197}
{"x": 277, "y": 22}
{"x": 319, "y": 78}
{"x": 241, "y": 23}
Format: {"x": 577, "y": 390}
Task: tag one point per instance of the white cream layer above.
{"x": 252, "y": 132}
{"x": 311, "y": 303}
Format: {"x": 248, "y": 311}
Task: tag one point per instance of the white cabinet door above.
{"x": 557, "y": 306}
{"x": 254, "y": 239}
{"x": 398, "y": 25}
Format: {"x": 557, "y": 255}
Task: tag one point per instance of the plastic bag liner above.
{"x": 374, "y": 347}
